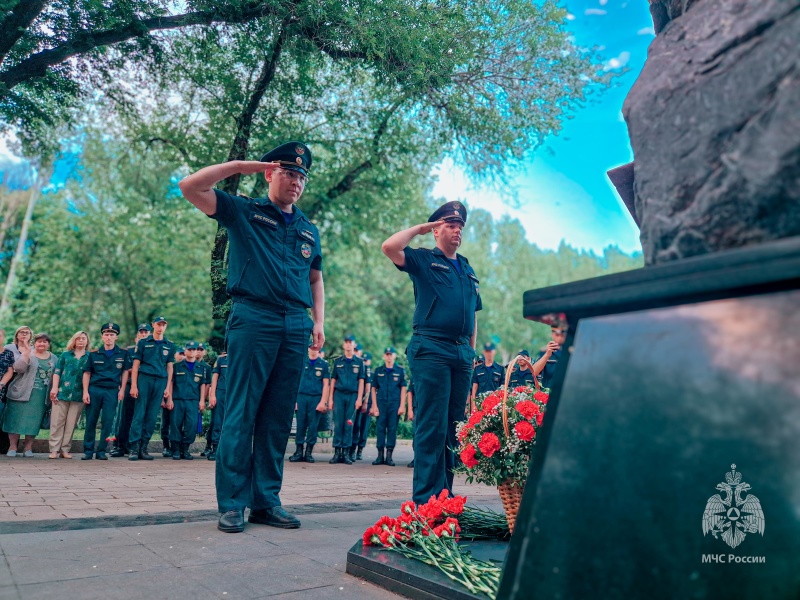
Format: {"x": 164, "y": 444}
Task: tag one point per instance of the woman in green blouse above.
{"x": 67, "y": 395}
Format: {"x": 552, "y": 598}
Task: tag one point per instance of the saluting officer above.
{"x": 151, "y": 385}
{"x": 442, "y": 348}
{"x": 105, "y": 376}
{"x": 521, "y": 375}
{"x": 189, "y": 386}
{"x": 388, "y": 403}
{"x": 488, "y": 375}
{"x": 361, "y": 421}
{"x": 312, "y": 399}
{"x": 126, "y": 407}
{"x": 347, "y": 390}
{"x": 166, "y": 414}
{"x": 546, "y": 361}
{"x": 216, "y": 402}
{"x": 274, "y": 276}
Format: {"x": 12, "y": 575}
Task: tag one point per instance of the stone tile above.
{"x": 63, "y": 543}
{"x": 8, "y": 592}
{"x": 348, "y": 588}
{"x": 216, "y": 551}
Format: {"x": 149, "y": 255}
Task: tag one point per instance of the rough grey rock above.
{"x": 714, "y": 122}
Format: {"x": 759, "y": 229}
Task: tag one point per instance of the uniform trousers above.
{"x": 145, "y": 413}
{"x": 64, "y": 416}
{"x": 166, "y": 421}
{"x": 183, "y": 422}
{"x": 217, "y": 417}
{"x": 442, "y": 376}
{"x": 267, "y": 351}
{"x": 360, "y": 428}
{"x": 307, "y": 419}
{"x": 124, "y": 419}
{"x": 344, "y": 413}
{"x": 386, "y": 427}
{"x": 102, "y": 406}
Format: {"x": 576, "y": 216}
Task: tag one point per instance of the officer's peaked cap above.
{"x": 113, "y": 327}
{"x": 294, "y": 156}
{"x": 450, "y": 211}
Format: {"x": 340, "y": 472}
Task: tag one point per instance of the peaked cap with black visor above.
{"x": 450, "y": 211}
{"x": 292, "y": 156}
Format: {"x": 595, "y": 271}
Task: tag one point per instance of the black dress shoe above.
{"x": 101, "y": 456}
{"x": 231, "y": 521}
{"x": 117, "y": 453}
{"x": 275, "y": 516}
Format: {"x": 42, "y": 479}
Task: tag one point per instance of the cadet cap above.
{"x": 349, "y": 338}
{"x": 525, "y": 353}
{"x": 159, "y": 320}
{"x": 293, "y": 156}
{"x": 389, "y": 350}
{"x": 200, "y": 346}
{"x": 180, "y": 350}
{"x": 450, "y": 211}
{"x": 112, "y": 327}
{"x": 489, "y": 347}
{"x": 144, "y": 327}
{"x": 191, "y": 346}
{"x": 367, "y": 356}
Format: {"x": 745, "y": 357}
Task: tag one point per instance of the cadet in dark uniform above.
{"x": 105, "y": 376}
{"x": 151, "y": 385}
{"x": 361, "y": 421}
{"x": 388, "y": 403}
{"x": 312, "y": 399}
{"x": 347, "y": 389}
{"x": 189, "y": 386}
{"x": 488, "y": 375}
{"x": 125, "y": 408}
{"x": 216, "y": 402}
{"x": 274, "y": 276}
{"x": 442, "y": 348}
{"x": 545, "y": 365}
{"x": 521, "y": 375}
{"x": 166, "y": 414}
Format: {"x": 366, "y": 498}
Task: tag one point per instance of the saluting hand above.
{"x": 428, "y": 227}
{"x": 249, "y": 167}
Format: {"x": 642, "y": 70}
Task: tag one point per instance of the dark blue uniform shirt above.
{"x": 187, "y": 379}
{"x": 314, "y": 376}
{"x": 106, "y": 370}
{"x": 520, "y": 377}
{"x": 388, "y": 383}
{"x": 546, "y": 376}
{"x": 269, "y": 259}
{"x": 347, "y": 373}
{"x": 488, "y": 378}
{"x": 221, "y": 369}
{"x": 446, "y": 300}
{"x": 154, "y": 356}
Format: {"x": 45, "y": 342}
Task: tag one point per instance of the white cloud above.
{"x": 570, "y": 17}
{"x": 646, "y": 31}
{"x": 603, "y": 2}
{"x": 595, "y": 11}
{"x": 617, "y": 62}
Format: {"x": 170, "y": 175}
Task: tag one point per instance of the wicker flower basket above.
{"x": 511, "y": 490}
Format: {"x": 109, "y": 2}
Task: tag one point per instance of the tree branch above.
{"x": 14, "y": 24}
{"x": 83, "y": 41}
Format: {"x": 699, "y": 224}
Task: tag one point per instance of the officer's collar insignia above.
{"x": 300, "y": 150}
{"x": 298, "y": 160}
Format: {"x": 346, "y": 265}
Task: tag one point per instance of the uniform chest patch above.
{"x": 307, "y": 234}
{"x": 119, "y": 365}
{"x": 197, "y": 378}
{"x": 262, "y": 219}
{"x": 305, "y": 250}
{"x": 165, "y": 352}
{"x": 355, "y": 369}
{"x": 318, "y": 372}
{"x": 439, "y": 266}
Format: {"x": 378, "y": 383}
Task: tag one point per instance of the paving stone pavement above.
{"x": 121, "y": 529}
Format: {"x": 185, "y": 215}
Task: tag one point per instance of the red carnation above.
{"x": 490, "y": 403}
{"x": 464, "y": 432}
{"x": 454, "y": 506}
{"x": 372, "y": 536}
{"x": 468, "y": 456}
{"x": 475, "y": 418}
{"x": 489, "y": 444}
{"x": 408, "y": 507}
{"x": 525, "y": 431}
{"x": 349, "y": 422}
{"x": 520, "y": 388}
{"x": 541, "y": 397}
{"x": 539, "y": 418}
{"x": 527, "y": 409}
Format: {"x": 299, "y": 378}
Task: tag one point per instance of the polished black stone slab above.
{"x": 413, "y": 578}
{"x": 673, "y": 374}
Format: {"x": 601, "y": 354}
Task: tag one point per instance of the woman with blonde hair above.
{"x": 67, "y": 394}
{"x": 26, "y": 395}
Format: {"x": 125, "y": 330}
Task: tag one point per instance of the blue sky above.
{"x": 563, "y": 191}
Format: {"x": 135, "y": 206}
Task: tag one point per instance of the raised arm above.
{"x": 394, "y": 246}
{"x": 197, "y": 188}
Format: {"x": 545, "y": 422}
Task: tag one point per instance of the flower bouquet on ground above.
{"x": 496, "y": 442}
{"x": 429, "y": 533}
